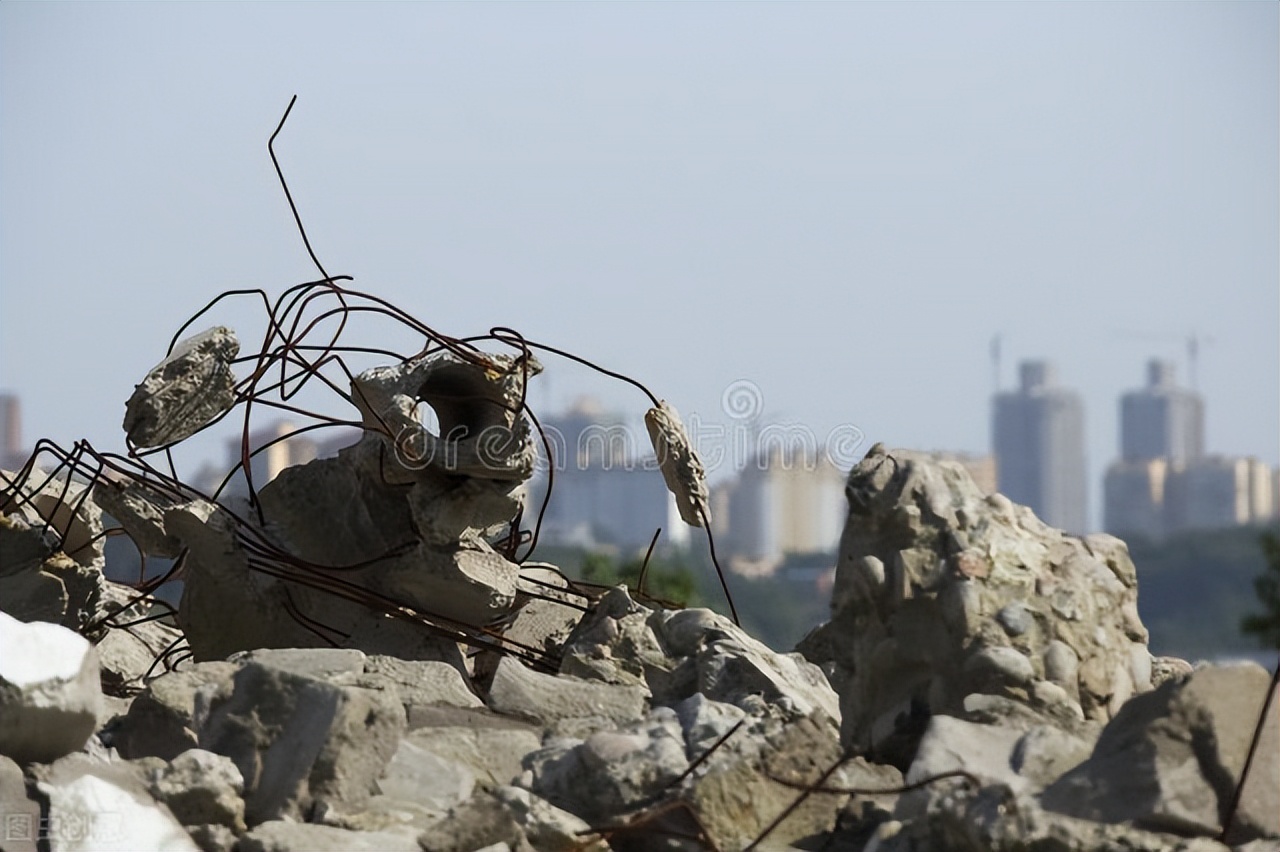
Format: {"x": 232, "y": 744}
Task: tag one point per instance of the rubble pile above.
{"x": 367, "y": 665}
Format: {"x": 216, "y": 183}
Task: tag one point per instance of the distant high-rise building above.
{"x": 1163, "y": 482}
{"x": 1162, "y": 420}
{"x": 1133, "y": 497}
{"x": 606, "y": 489}
{"x": 1218, "y": 491}
{"x": 784, "y": 503}
{"x": 1038, "y": 437}
{"x": 11, "y": 454}
{"x": 273, "y": 448}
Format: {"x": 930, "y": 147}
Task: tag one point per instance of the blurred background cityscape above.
{"x": 1190, "y": 517}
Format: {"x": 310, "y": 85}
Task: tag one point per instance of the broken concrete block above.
{"x": 1170, "y": 759}
{"x": 477, "y": 402}
{"x": 548, "y": 828}
{"x": 161, "y": 720}
{"x": 426, "y": 779}
{"x": 50, "y": 694}
{"x": 942, "y": 592}
{"x": 737, "y": 797}
{"x": 478, "y": 823}
{"x": 419, "y": 683}
{"x": 519, "y": 691}
{"x": 491, "y": 745}
{"x": 299, "y": 741}
{"x": 51, "y": 554}
{"x": 681, "y": 467}
{"x": 95, "y": 807}
{"x": 289, "y": 836}
{"x": 611, "y": 771}
{"x": 201, "y": 788}
{"x": 189, "y": 389}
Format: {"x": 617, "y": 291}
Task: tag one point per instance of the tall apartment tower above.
{"x": 1161, "y": 434}
{"x": 11, "y": 455}
{"x": 1038, "y": 437}
{"x": 1162, "y": 420}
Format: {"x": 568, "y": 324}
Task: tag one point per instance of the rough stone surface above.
{"x": 993, "y": 819}
{"x": 282, "y": 836}
{"x": 520, "y": 691}
{"x": 201, "y": 788}
{"x": 478, "y": 823}
{"x": 433, "y": 782}
{"x": 50, "y": 694}
{"x": 492, "y": 746}
{"x": 299, "y": 741}
{"x": 184, "y": 392}
{"x": 94, "y": 807}
{"x": 942, "y": 591}
{"x": 676, "y": 654}
{"x": 681, "y": 467}
{"x": 1170, "y": 760}
{"x": 611, "y": 771}
{"x": 51, "y": 555}
{"x": 738, "y": 797}
{"x": 161, "y": 720}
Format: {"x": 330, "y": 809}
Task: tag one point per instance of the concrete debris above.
{"x": 1170, "y": 760}
{"x": 200, "y": 788}
{"x": 288, "y": 836}
{"x": 50, "y": 694}
{"x": 519, "y": 691}
{"x": 298, "y": 740}
{"x": 942, "y": 592}
{"x": 995, "y": 666}
{"x": 681, "y": 467}
{"x": 51, "y": 555}
{"x": 95, "y": 807}
{"x": 186, "y": 391}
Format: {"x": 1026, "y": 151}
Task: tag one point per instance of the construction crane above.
{"x": 1193, "y": 341}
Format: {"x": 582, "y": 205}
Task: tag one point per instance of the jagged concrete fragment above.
{"x": 477, "y": 401}
{"x": 140, "y": 508}
{"x": 425, "y": 778}
{"x": 481, "y": 822}
{"x": 681, "y": 467}
{"x": 51, "y": 555}
{"x": 994, "y": 819}
{"x": 95, "y": 807}
{"x": 678, "y": 653}
{"x": 127, "y": 653}
{"x": 419, "y": 683}
{"x": 737, "y": 798}
{"x": 548, "y": 828}
{"x": 190, "y": 388}
{"x": 201, "y": 788}
{"x": 491, "y": 745}
{"x": 942, "y": 592}
{"x": 50, "y": 695}
{"x": 300, "y": 741}
{"x": 161, "y": 720}
{"x": 288, "y": 836}
{"x": 519, "y": 691}
{"x": 1171, "y": 759}
{"x": 611, "y": 771}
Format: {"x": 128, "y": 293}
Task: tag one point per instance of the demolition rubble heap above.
{"x": 361, "y": 660}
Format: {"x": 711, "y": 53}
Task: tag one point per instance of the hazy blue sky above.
{"x": 841, "y": 203}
